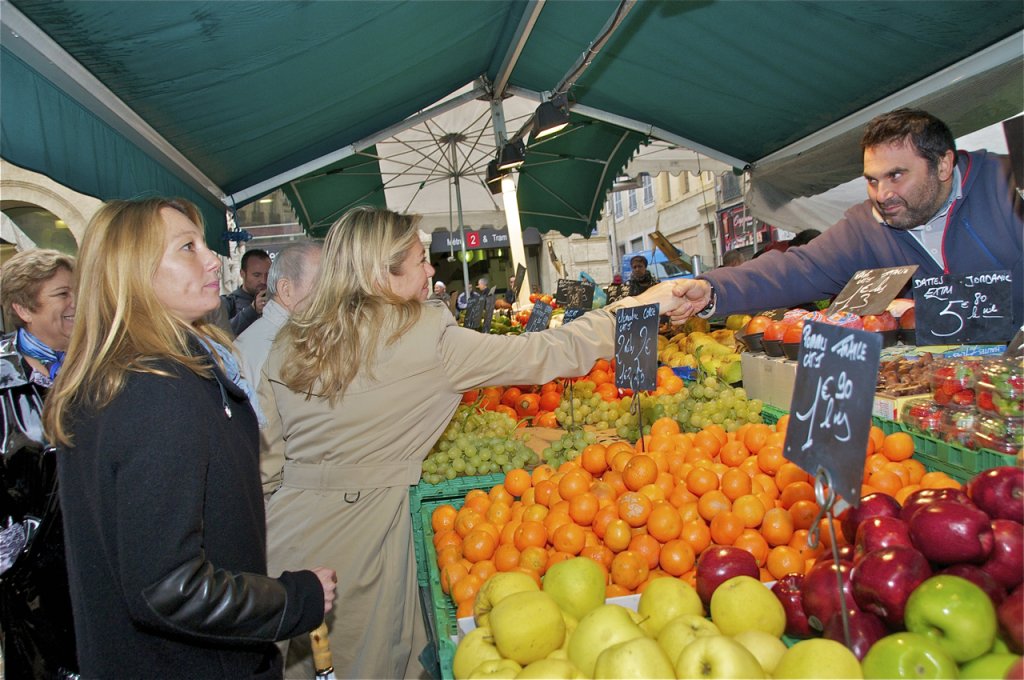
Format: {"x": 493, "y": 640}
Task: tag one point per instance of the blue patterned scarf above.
{"x": 31, "y": 346}
{"x": 233, "y": 373}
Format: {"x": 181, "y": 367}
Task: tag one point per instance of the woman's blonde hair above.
{"x": 120, "y": 325}
{"x": 351, "y": 303}
{"x": 23, "y": 277}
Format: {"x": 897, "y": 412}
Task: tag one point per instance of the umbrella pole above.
{"x": 462, "y": 228}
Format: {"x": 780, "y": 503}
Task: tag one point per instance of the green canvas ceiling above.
{"x": 247, "y": 91}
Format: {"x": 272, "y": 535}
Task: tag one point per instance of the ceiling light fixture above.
{"x": 494, "y": 176}
{"x": 512, "y": 155}
{"x": 551, "y": 116}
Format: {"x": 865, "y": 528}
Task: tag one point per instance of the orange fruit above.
{"x": 750, "y": 510}
{"x": 797, "y": 491}
{"x": 466, "y": 519}
{"x": 506, "y": 557}
{"x": 915, "y": 470}
{"x": 755, "y": 437}
{"x": 583, "y": 508}
{"x": 712, "y": 503}
{"x": 735, "y": 483}
{"x": 725, "y": 527}
{"x": 938, "y": 480}
{"x": 777, "y": 527}
{"x": 770, "y": 459}
{"x": 701, "y": 480}
{"x": 574, "y": 483}
{"x": 465, "y": 589}
{"x": 753, "y": 542}
{"x": 615, "y": 590}
{"x": 788, "y": 474}
{"x": 665, "y": 426}
{"x": 902, "y": 494}
{"x": 600, "y": 554}
{"x": 804, "y": 513}
{"x": 498, "y": 494}
{"x": 535, "y": 513}
{"x": 640, "y": 471}
{"x": 899, "y": 470}
{"x": 479, "y": 545}
{"x": 534, "y": 558}
{"x": 530, "y": 533}
{"x": 799, "y": 541}
{"x": 532, "y": 573}
{"x": 568, "y": 538}
{"x": 886, "y": 482}
{"x": 554, "y": 520}
{"x": 680, "y": 495}
{"x": 629, "y": 569}
{"x": 603, "y": 517}
{"x": 540, "y": 473}
{"x": 517, "y": 481}
{"x": 478, "y": 500}
{"x": 708, "y": 440}
{"x": 696, "y": 533}
{"x": 646, "y": 546}
{"x": 544, "y": 491}
{"x": 592, "y": 459}
{"x": 452, "y": 574}
{"x": 634, "y": 508}
{"x": 733, "y": 453}
{"x": 783, "y": 560}
{"x": 499, "y": 513}
{"x": 877, "y": 439}
{"x": 449, "y": 554}
{"x": 664, "y": 523}
{"x": 676, "y": 557}
{"x": 617, "y": 535}
{"x": 614, "y": 449}
{"x": 443, "y": 517}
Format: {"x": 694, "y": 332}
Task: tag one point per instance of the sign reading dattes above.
{"x": 964, "y": 308}
{"x": 871, "y": 290}
{"x": 571, "y": 293}
{"x": 636, "y": 347}
{"x": 830, "y": 415}
{"x": 540, "y": 317}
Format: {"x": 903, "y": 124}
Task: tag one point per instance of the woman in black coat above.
{"x": 159, "y": 466}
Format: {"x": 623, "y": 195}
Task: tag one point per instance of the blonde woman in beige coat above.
{"x": 357, "y": 388}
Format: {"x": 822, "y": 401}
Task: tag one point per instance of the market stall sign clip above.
{"x": 830, "y": 415}
{"x": 964, "y": 308}
{"x": 870, "y": 291}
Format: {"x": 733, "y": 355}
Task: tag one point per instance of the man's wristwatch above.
{"x": 709, "y": 308}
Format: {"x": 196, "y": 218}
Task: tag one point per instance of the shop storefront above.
{"x": 487, "y": 254}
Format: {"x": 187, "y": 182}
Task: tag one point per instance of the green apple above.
{"x": 527, "y": 626}
{"x": 663, "y": 600}
{"x": 995, "y": 665}
{"x": 639, "y": 659}
{"x": 495, "y": 669}
{"x": 818, "y": 658}
{"x": 474, "y": 649}
{"x": 497, "y": 588}
{"x": 603, "y": 627}
{"x": 908, "y": 655}
{"x": 678, "y": 633}
{"x": 576, "y": 584}
{"x": 743, "y": 603}
{"x": 717, "y": 656}
{"x": 766, "y": 648}
{"x": 549, "y": 669}
{"x": 956, "y": 613}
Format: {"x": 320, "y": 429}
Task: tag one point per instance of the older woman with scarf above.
{"x": 35, "y": 608}
{"x": 158, "y": 459}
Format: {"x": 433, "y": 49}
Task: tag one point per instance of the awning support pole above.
{"x": 462, "y": 227}
{"x": 511, "y": 205}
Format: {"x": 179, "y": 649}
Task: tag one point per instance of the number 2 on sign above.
{"x": 831, "y": 403}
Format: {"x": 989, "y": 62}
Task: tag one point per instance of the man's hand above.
{"x": 260, "y": 301}
{"x": 695, "y": 294}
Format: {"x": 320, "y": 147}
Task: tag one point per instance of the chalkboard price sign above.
{"x": 518, "y": 286}
{"x": 572, "y": 313}
{"x": 636, "y": 347}
{"x": 871, "y": 290}
{"x": 964, "y": 308}
{"x": 540, "y": 317}
{"x": 489, "y": 312}
{"x": 830, "y": 415}
{"x": 776, "y": 314}
{"x": 475, "y": 312}
{"x": 575, "y": 294}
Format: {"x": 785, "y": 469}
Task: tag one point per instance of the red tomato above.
{"x": 908, "y": 320}
{"x": 509, "y": 396}
{"x": 794, "y": 332}
{"x": 876, "y": 323}
{"x": 528, "y": 405}
{"x": 534, "y": 297}
{"x": 775, "y": 330}
{"x": 545, "y": 419}
{"x": 470, "y": 396}
{"x": 507, "y": 410}
{"x": 757, "y": 324}
{"x": 550, "y": 400}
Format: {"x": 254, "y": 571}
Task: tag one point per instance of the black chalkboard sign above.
{"x": 488, "y": 312}
{"x": 775, "y": 314}
{"x": 636, "y": 347}
{"x": 964, "y": 308}
{"x": 540, "y": 317}
{"x": 518, "y": 285}
{"x": 475, "y": 312}
{"x": 871, "y": 290}
{"x": 572, "y": 313}
{"x": 830, "y": 415}
{"x": 574, "y": 293}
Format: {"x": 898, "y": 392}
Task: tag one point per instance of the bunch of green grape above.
{"x": 476, "y": 443}
{"x": 568, "y": 447}
{"x": 712, "y": 401}
{"x": 588, "y": 408}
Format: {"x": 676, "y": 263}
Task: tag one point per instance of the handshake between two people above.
{"x": 679, "y": 300}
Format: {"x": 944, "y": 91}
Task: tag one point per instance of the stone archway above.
{"x": 24, "y": 187}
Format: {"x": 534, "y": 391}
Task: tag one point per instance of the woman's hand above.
{"x": 678, "y": 299}
{"x": 328, "y": 581}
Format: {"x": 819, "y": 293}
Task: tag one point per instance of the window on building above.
{"x": 631, "y": 199}
{"x": 648, "y": 190}
{"x": 730, "y": 186}
{"x": 636, "y": 244}
{"x": 617, "y": 205}
{"x": 684, "y": 182}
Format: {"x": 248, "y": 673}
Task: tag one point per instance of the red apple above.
{"x": 948, "y": 532}
{"x": 999, "y": 492}
{"x": 876, "y": 323}
{"x": 872, "y": 505}
{"x": 884, "y": 579}
{"x": 865, "y": 630}
{"x": 975, "y": 575}
{"x": 1011, "y": 619}
{"x": 923, "y": 497}
{"x": 1006, "y": 561}
{"x": 908, "y": 319}
{"x": 788, "y": 590}
{"x": 821, "y": 592}
{"x": 881, "y": 532}
{"x": 719, "y": 563}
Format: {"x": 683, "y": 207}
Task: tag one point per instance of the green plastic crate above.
{"x": 770, "y": 415}
{"x": 441, "y": 616}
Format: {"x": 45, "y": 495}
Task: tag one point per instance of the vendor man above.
{"x": 948, "y": 212}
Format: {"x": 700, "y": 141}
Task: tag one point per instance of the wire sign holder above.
{"x": 830, "y": 420}
{"x": 636, "y": 354}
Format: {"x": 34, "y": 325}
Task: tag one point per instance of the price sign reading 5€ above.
{"x": 830, "y": 415}
{"x": 636, "y": 347}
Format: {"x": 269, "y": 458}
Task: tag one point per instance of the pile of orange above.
{"x": 649, "y": 510}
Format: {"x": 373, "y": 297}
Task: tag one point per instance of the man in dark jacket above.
{"x": 640, "y": 278}
{"x": 946, "y": 212}
{"x": 245, "y": 304}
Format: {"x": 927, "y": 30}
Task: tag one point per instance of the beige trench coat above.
{"x": 339, "y": 476}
